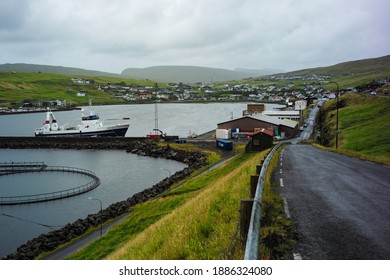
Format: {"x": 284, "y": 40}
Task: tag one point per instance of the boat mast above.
{"x": 156, "y": 119}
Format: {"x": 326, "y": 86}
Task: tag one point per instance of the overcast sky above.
{"x": 111, "y": 35}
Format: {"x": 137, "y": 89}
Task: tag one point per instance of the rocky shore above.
{"x": 49, "y": 241}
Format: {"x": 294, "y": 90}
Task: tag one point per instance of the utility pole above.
{"x": 337, "y": 113}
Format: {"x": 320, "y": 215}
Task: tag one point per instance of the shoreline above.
{"x": 78, "y": 107}
{"x": 52, "y": 240}
{"x": 41, "y": 110}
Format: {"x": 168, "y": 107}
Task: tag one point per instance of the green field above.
{"x": 363, "y": 124}
{"x": 198, "y": 220}
{"x": 17, "y": 87}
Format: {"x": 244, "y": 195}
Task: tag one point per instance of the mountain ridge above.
{"x": 350, "y": 67}
{"x": 185, "y": 74}
{"x": 193, "y": 74}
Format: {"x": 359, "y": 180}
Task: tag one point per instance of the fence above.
{"x": 253, "y": 237}
{"x": 17, "y": 167}
{"x": 35, "y": 198}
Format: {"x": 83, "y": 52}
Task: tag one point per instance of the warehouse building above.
{"x": 285, "y": 115}
{"x": 248, "y": 125}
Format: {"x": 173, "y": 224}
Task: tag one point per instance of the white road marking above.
{"x": 281, "y": 171}
{"x": 286, "y": 210}
{"x": 281, "y": 182}
{"x": 297, "y": 256}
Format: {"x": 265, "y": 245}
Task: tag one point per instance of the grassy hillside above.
{"x": 35, "y": 68}
{"x": 379, "y": 64}
{"x": 185, "y": 74}
{"x": 363, "y": 123}
{"x": 198, "y": 220}
{"x": 15, "y": 88}
{"x": 353, "y": 73}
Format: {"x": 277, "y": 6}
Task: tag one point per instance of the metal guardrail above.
{"x": 253, "y": 239}
{"x": 23, "y": 199}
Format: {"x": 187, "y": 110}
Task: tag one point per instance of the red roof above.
{"x": 266, "y": 132}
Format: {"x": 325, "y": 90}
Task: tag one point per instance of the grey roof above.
{"x": 274, "y": 120}
{"x": 268, "y": 119}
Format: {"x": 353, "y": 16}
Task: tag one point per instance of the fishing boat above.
{"x": 90, "y": 125}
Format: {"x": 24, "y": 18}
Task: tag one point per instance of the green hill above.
{"x": 36, "y": 68}
{"x": 380, "y": 64}
{"x": 352, "y": 73}
{"x": 18, "y": 87}
{"x": 363, "y": 125}
{"x": 185, "y": 74}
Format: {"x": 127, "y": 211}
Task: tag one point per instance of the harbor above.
{"x": 124, "y": 167}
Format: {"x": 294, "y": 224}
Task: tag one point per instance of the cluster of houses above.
{"x": 374, "y": 87}
{"x": 311, "y": 87}
{"x": 211, "y": 92}
{"x": 306, "y": 77}
{"x": 35, "y": 106}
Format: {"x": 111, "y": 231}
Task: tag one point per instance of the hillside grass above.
{"x": 198, "y": 220}
{"x": 277, "y": 232}
{"x": 15, "y": 88}
{"x": 363, "y": 124}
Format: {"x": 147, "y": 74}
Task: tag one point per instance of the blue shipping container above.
{"x": 224, "y": 144}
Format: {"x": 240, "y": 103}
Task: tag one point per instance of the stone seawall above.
{"x": 50, "y": 241}
{"x": 68, "y": 142}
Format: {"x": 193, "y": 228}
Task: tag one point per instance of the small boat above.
{"x": 90, "y": 126}
{"x": 192, "y": 135}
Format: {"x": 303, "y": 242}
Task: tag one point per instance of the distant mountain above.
{"x": 363, "y": 66}
{"x": 193, "y": 74}
{"x": 260, "y": 72}
{"x": 185, "y": 74}
{"x": 31, "y": 68}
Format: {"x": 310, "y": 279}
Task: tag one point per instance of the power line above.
{"x": 29, "y": 221}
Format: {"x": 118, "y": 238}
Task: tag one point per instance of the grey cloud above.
{"x": 13, "y": 14}
{"x": 112, "y": 35}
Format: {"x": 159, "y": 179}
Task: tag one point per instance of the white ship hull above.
{"x": 90, "y": 126}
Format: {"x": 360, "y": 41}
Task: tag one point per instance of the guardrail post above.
{"x": 253, "y": 185}
{"x": 258, "y": 168}
{"x": 245, "y": 217}
{"x": 253, "y": 238}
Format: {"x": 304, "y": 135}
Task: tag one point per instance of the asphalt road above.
{"x": 339, "y": 205}
{"x": 307, "y": 131}
{"x": 73, "y": 247}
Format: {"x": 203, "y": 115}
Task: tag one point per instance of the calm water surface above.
{"x": 173, "y": 118}
{"x": 121, "y": 174}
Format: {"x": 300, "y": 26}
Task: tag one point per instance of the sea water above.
{"x": 122, "y": 175}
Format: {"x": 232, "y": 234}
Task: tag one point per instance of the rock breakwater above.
{"x": 50, "y": 241}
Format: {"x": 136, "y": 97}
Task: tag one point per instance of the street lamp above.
{"x": 100, "y": 216}
{"x": 337, "y": 113}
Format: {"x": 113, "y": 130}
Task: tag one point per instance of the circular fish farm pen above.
{"x": 8, "y": 168}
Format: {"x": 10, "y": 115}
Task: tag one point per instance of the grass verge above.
{"x": 198, "y": 220}
{"x": 277, "y": 232}
{"x": 363, "y": 124}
